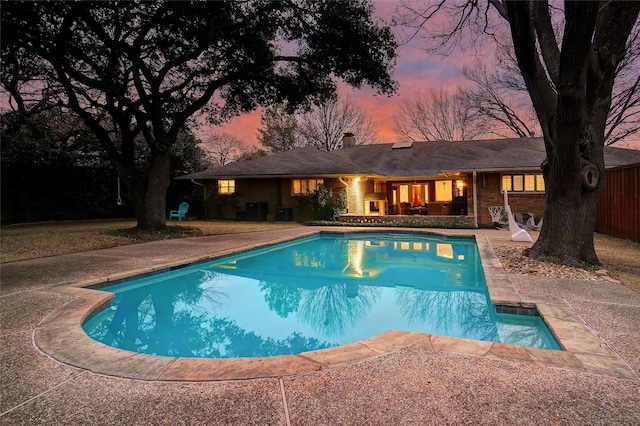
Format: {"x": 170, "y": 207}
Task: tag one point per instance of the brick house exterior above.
{"x": 435, "y": 179}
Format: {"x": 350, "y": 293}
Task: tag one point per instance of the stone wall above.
{"x": 419, "y": 220}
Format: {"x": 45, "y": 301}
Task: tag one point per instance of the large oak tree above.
{"x": 569, "y": 75}
{"x": 145, "y": 68}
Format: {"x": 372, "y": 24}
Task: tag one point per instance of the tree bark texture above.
{"x": 570, "y": 88}
{"x": 150, "y": 194}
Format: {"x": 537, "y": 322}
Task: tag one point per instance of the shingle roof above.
{"x": 432, "y": 158}
{"x": 307, "y": 161}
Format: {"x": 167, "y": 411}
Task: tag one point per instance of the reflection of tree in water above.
{"x": 206, "y": 291}
{"x": 175, "y": 320}
{"x": 163, "y": 318}
{"x": 332, "y": 309}
{"x": 281, "y": 298}
{"x": 227, "y": 340}
{"x": 451, "y": 312}
{"x": 523, "y": 335}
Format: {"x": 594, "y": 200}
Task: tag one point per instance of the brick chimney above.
{"x": 348, "y": 140}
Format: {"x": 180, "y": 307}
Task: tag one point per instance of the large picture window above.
{"x": 305, "y": 186}
{"x": 523, "y": 183}
{"x": 226, "y": 186}
{"x": 404, "y": 193}
{"x": 444, "y": 190}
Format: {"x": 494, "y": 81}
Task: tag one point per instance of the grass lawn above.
{"x": 31, "y": 241}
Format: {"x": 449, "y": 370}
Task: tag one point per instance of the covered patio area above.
{"x": 428, "y": 201}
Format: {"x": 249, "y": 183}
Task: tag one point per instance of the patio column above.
{"x": 475, "y": 200}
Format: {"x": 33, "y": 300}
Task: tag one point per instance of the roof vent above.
{"x": 400, "y": 145}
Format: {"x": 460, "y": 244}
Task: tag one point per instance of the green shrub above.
{"x": 323, "y": 204}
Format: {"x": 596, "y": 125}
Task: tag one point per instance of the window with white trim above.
{"x": 226, "y": 186}
{"x": 533, "y": 182}
{"x": 305, "y": 186}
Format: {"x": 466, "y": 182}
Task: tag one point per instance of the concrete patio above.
{"x": 402, "y": 378}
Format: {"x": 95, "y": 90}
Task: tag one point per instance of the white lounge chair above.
{"x": 517, "y": 233}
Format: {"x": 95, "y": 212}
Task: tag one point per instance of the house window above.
{"x": 227, "y": 186}
{"x": 404, "y": 193}
{"x": 444, "y": 190}
{"x": 518, "y": 183}
{"x": 523, "y": 183}
{"x": 305, "y": 186}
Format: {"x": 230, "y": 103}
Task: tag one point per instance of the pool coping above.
{"x": 61, "y": 337}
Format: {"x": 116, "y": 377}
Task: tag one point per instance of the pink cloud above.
{"x": 244, "y": 127}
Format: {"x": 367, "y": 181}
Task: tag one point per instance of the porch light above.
{"x": 460, "y": 184}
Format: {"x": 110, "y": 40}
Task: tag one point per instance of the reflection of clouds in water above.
{"x": 332, "y": 309}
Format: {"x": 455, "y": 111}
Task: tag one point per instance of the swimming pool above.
{"x": 310, "y": 294}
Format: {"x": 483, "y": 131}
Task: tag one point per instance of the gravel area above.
{"x": 515, "y": 262}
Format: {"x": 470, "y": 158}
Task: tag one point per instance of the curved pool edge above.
{"x": 60, "y": 336}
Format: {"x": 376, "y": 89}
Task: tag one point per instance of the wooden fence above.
{"x": 619, "y": 208}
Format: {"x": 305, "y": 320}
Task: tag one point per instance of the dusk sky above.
{"x": 416, "y": 71}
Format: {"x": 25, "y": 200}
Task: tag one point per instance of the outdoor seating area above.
{"x": 181, "y": 213}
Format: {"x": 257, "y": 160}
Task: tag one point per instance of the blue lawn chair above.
{"x": 181, "y": 213}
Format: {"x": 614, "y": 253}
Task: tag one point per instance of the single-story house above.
{"x": 434, "y": 180}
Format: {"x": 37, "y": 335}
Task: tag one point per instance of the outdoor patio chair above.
{"x": 517, "y": 233}
{"x": 531, "y": 224}
{"x": 181, "y": 213}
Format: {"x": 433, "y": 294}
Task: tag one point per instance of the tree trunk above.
{"x": 570, "y": 87}
{"x": 571, "y": 202}
{"x": 149, "y": 198}
{"x": 574, "y": 175}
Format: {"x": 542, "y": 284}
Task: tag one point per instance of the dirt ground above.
{"x": 621, "y": 258}
{"x": 29, "y": 241}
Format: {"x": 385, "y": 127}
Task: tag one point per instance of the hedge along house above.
{"x": 431, "y": 182}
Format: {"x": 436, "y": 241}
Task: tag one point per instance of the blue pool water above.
{"x": 311, "y": 294}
